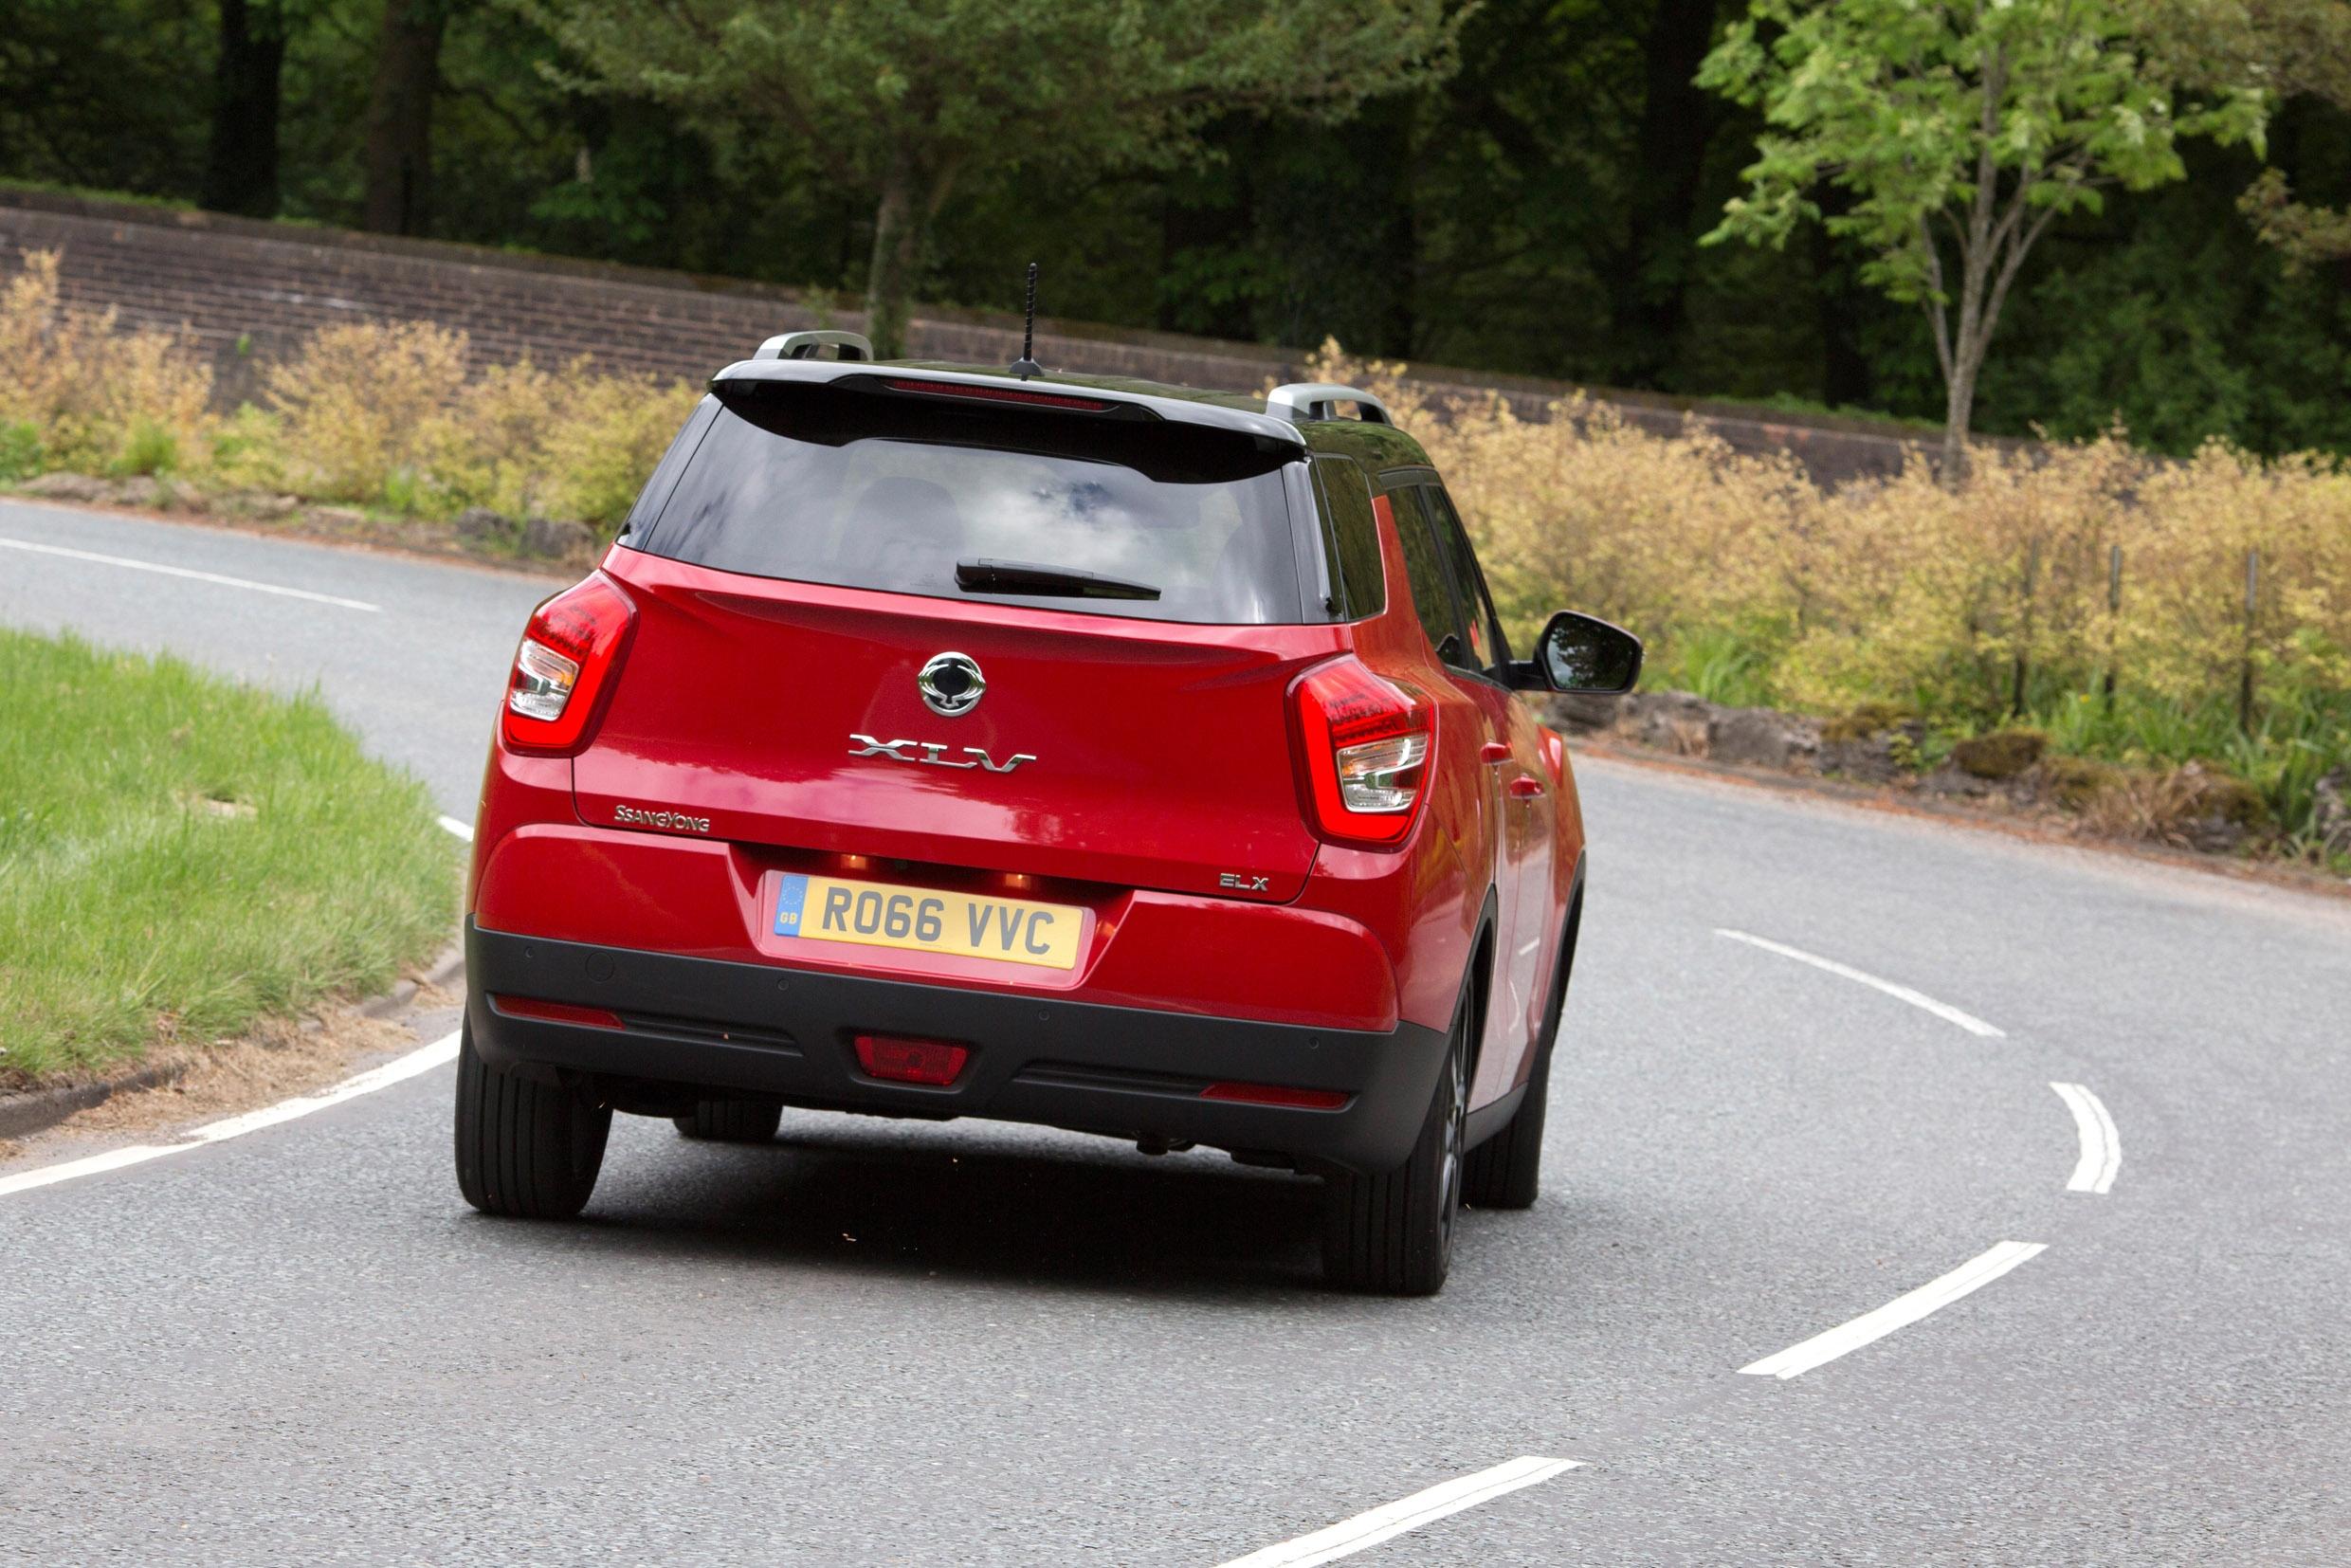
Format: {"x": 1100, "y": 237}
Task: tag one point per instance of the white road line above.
{"x": 1899, "y": 1313}
{"x": 199, "y": 576}
{"x": 422, "y": 1059}
{"x": 2101, "y": 1145}
{"x": 450, "y": 824}
{"x": 1391, "y": 1520}
{"x": 1945, "y": 1011}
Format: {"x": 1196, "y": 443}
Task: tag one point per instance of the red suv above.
{"x": 940, "y": 742}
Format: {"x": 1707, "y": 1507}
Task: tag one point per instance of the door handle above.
{"x": 1494, "y": 751}
{"x": 1526, "y": 787}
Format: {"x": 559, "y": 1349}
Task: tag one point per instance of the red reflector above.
{"x": 904, "y": 1059}
{"x": 1002, "y": 394}
{"x": 1273, "y": 1094}
{"x": 557, "y": 1013}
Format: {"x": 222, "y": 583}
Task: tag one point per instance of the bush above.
{"x": 362, "y": 401}
{"x": 1753, "y": 584}
{"x": 98, "y": 398}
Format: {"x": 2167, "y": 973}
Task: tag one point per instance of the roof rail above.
{"x": 1303, "y": 400}
{"x": 803, "y": 345}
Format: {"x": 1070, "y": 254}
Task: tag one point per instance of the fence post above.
{"x": 2114, "y": 614}
{"x": 2245, "y": 675}
{"x": 2024, "y": 627}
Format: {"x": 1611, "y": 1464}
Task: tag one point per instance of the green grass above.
{"x": 180, "y": 855}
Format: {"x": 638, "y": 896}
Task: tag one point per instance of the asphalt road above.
{"x": 885, "y": 1344}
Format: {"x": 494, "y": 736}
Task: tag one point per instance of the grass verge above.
{"x": 180, "y": 855}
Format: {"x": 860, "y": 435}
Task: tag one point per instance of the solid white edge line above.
{"x": 451, "y": 824}
{"x": 1945, "y": 1011}
{"x": 422, "y": 1059}
{"x": 1391, "y": 1520}
{"x": 1901, "y": 1312}
{"x": 2102, "y": 1144}
{"x": 199, "y": 576}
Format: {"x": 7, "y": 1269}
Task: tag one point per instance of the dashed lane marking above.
{"x": 1391, "y": 1520}
{"x": 246, "y": 583}
{"x": 1901, "y": 1312}
{"x": 2101, "y": 1145}
{"x": 1945, "y": 1011}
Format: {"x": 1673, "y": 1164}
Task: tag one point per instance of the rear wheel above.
{"x": 732, "y": 1120}
{"x": 525, "y": 1149}
{"x": 1393, "y": 1233}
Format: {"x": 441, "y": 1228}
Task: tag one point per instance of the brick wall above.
{"x": 251, "y": 291}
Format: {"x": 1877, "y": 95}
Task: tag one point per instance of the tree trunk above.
{"x": 1959, "y": 413}
{"x": 889, "y": 279}
{"x": 399, "y": 124}
{"x": 911, "y": 198}
{"x": 1678, "y": 118}
{"x": 240, "y": 163}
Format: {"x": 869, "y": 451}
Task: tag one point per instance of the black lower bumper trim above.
{"x": 1129, "y": 1072}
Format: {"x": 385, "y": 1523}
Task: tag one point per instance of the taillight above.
{"x": 1365, "y": 744}
{"x": 564, "y": 664}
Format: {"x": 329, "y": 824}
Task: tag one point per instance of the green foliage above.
{"x": 1955, "y": 137}
{"x": 911, "y": 99}
{"x": 21, "y": 449}
{"x": 179, "y": 855}
{"x": 150, "y": 448}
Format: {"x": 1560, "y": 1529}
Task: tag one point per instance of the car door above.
{"x": 1527, "y": 811}
{"x": 1464, "y": 641}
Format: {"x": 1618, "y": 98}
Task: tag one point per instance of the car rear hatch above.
{"x": 825, "y": 545}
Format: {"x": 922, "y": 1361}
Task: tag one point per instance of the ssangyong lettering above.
{"x": 679, "y": 820}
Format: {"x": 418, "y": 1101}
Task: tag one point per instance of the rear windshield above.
{"x": 879, "y": 490}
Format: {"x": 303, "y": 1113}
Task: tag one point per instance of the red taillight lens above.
{"x": 557, "y": 1013}
{"x": 564, "y": 664}
{"x": 907, "y": 1059}
{"x": 1274, "y": 1094}
{"x": 1364, "y": 745}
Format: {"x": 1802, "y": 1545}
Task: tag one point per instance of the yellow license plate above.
{"x": 966, "y": 925}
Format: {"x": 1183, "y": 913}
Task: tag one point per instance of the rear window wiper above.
{"x": 980, "y": 575}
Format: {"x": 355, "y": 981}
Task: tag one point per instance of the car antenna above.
{"x": 1027, "y": 366}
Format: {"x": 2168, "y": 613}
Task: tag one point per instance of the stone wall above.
{"x": 253, "y": 290}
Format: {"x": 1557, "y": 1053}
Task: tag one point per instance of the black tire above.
{"x": 525, "y": 1150}
{"x": 1506, "y": 1171}
{"x": 1392, "y": 1234}
{"x": 732, "y": 1120}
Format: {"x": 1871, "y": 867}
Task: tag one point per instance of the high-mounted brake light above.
{"x": 1363, "y": 745}
{"x": 1001, "y": 395}
{"x": 565, "y": 664}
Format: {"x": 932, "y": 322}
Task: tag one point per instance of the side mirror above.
{"x": 1583, "y": 653}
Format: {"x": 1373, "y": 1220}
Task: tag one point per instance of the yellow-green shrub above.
{"x": 101, "y": 398}
{"x": 364, "y": 401}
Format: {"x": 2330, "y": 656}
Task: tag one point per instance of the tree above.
{"x": 1961, "y": 130}
{"x": 241, "y": 164}
{"x": 2291, "y": 46}
{"x": 399, "y": 124}
{"x": 906, "y": 100}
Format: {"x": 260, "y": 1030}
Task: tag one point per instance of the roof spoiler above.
{"x": 1303, "y": 401}
{"x": 803, "y": 345}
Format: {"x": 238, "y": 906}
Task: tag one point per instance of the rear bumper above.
{"x": 1127, "y": 1072}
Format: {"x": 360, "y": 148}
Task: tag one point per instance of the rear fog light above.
{"x": 908, "y": 1059}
